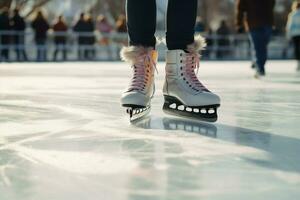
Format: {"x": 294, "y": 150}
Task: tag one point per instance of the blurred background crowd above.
{"x": 55, "y": 30}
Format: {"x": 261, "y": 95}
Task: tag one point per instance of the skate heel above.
{"x": 174, "y": 106}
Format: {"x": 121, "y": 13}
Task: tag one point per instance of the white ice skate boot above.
{"x": 184, "y": 94}
{"x": 137, "y": 97}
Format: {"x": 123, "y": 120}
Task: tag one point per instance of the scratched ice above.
{"x": 64, "y": 136}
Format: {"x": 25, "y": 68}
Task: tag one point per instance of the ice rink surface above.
{"x": 63, "y": 136}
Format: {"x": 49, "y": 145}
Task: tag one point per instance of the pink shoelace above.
{"x": 143, "y": 70}
{"x": 192, "y": 63}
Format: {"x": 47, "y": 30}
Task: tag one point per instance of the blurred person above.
{"x": 5, "y": 27}
{"x": 293, "y": 29}
{"x": 209, "y": 43}
{"x": 104, "y": 27}
{"x": 60, "y": 29}
{"x": 40, "y": 26}
{"x": 80, "y": 28}
{"x": 121, "y": 28}
{"x": 184, "y": 94}
{"x": 19, "y": 26}
{"x": 90, "y": 52}
{"x": 259, "y": 18}
{"x": 223, "y": 41}
{"x": 121, "y": 24}
{"x": 200, "y": 26}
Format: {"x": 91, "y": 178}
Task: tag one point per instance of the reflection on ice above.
{"x": 279, "y": 148}
{"x": 79, "y": 162}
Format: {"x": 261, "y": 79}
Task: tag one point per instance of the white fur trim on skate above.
{"x": 198, "y": 45}
{"x": 131, "y": 53}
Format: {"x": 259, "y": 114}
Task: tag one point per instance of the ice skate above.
{"x": 258, "y": 74}
{"x": 137, "y": 97}
{"x": 184, "y": 94}
{"x": 253, "y": 65}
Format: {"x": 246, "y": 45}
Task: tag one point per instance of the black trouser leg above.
{"x": 79, "y": 53}
{"x": 44, "y": 51}
{"x": 25, "y": 57}
{"x": 64, "y": 50}
{"x": 5, "y": 53}
{"x": 181, "y": 19}
{"x": 18, "y": 53}
{"x": 141, "y": 22}
{"x": 55, "y": 54}
{"x": 296, "y": 41}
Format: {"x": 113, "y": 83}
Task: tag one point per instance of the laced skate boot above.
{"x": 137, "y": 97}
{"x": 184, "y": 94}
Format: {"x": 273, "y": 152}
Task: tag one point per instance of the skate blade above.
{"x": 173, "y": 106}
{"x": 189, "y": 116}
{"x": 136, "y": 114}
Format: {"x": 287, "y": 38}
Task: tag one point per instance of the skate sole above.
{"x": 174, "y": 106}
{"x": 132, "y": 106}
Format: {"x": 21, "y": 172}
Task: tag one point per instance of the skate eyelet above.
{"x": 180, "y": 68}
{"x": 181, "y": 74}
{"x": 181, "y": 54}
{"x": 180, "y": 61}
{"x": 184, "y": 79}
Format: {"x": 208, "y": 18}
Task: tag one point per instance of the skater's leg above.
{"x": 267, "y": 38}
{"x": 181, "y": 19}
{"x": 18, "y": 53}
{"x": 23, "y": 50}
{"x": 141, "y": 22}
{"x": 137, "y": 97}
{"x": 260, "y": 39}
{"x": 38, "y": 51}
{"x": 184, "y": 94}
{"x": 65, "y": 52}
{"x": 44, "y": 50}
{"x": 256, "y": 39}
{"x": 55, "y": 53}
{"x": 296, "y": 41}
{"x": 25, "y": 58}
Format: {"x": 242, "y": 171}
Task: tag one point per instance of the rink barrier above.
{"x": 106, "y": 46}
